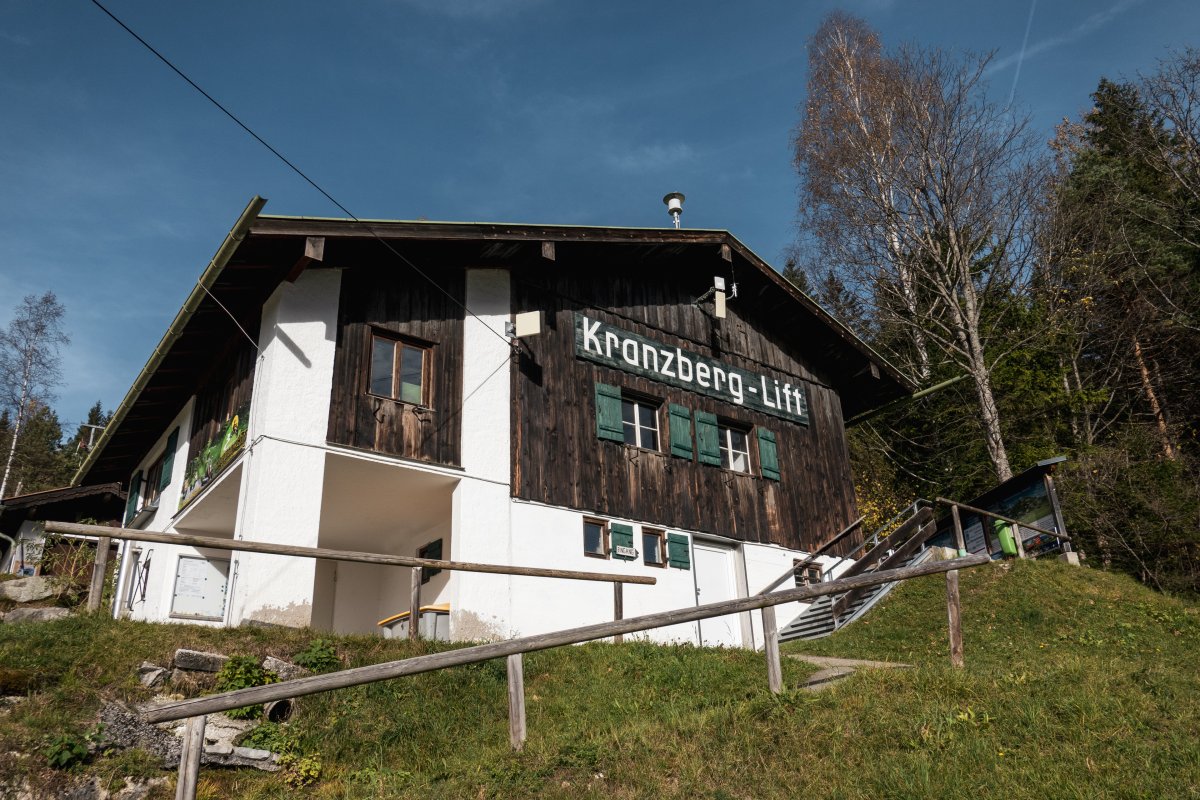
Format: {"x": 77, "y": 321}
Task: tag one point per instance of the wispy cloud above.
{"x": 649, "y": 157}
{"x": 472, "y": 9}
{"x": 1089, "y": 25}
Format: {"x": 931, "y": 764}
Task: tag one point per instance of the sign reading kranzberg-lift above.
{"x": 782, "y": 396}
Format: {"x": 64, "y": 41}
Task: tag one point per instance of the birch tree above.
{"x": 922, "y": 196}
{"x": 29, "y": 365}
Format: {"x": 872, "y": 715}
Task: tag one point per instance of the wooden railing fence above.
{"x": 106, "y": 534}
{"x": 196, "y": 709}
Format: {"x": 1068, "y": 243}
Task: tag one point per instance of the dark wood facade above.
{"x": 224, "y": 392}
{"x": 383, "y": 295}
{"x": 559, "y": 460}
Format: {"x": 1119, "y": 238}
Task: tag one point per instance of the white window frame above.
{"x": 638, "y": 404}
{"x": 725, "y": 433}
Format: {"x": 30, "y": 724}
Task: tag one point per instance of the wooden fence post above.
{"x": 954, "y": 613}
{"x": 99, "y": 573}
{"x": 189, "y": 759}
{"x": 771, "y": 648}
{"x": 618, "y": 607}
{"x": 414, "y": 606}
{"x": 516, "y": 701}
{"x": 960, "y": 542}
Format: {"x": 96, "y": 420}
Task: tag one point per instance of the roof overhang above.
{"x": 261, "y": 251}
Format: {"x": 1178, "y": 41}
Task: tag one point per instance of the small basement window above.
{"x": 595, "y": 538}
{"x": 654, "y": 550}
{"x": 398, "y": 369}
{"x": 639, "y": 419}
{"x": 735, "y": 447}
{"x": 433, "y": 550}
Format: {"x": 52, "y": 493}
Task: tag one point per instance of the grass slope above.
{"x": 1078, "y": 684}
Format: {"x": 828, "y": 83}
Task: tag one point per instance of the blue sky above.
{"x": 118, "y": 181}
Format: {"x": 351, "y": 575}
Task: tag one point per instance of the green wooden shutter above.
{"x": 678, "y": 553}
{"x": 131, "y": 502}
{"x": 708, "y": 438}
{"x": 768, "y": 454}
{"x": 620, "y": 534}
{"x": 164, "y": 480}
{"x": 608, "y": 413}
{"x": 681, "y": 430}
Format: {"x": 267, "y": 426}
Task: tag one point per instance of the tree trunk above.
{"x": 20, "y": 418}
{"x": 1160, "y": 418}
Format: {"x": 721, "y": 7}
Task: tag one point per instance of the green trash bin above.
{"x": 1004, "y": 532}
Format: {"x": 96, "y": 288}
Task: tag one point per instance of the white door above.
{"x": 714, "y": 583}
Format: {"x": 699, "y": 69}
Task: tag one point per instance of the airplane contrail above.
{"x": 1012, "y": 93}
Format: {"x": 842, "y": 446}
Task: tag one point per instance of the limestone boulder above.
{"x": 32, "y": 589}
{"x": 19, "y": 615}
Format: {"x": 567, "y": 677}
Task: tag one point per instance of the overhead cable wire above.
{"x": 296, "y": 170}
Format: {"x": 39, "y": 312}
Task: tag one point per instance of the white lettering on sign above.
{"x": 606, "y": 344}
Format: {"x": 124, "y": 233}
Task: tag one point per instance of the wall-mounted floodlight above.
{"x": 674, "y": 202}
{"x": 527, "y": 323}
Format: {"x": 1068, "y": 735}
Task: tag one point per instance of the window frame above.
{"x": 661, "y": 536}
{"x": 813, "y": 574}
{"x": 650, "y": 403}
{"x": 424, "y": 551}
{"x": 725, "y": 428}
{"x": 150, "y": 491}
{"x": 604, "y": 538}
{"x": 399, "y": 343}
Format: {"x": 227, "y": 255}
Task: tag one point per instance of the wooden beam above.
{"x": 1056, "y": 508}
{"x": 99, "y": 570}
{"x": 189, "y": 759}
{"x": 357, "y": 676}
{"x": 954, "y": 614}
{"x": 1010, "y": 520}
{"x": 414, "y": 606}
{"x": 771, "y": 649}
{"x": 618, "y": 607}
{"x": 548, "y": 251}
{"x": 242, "y": 545}
{"x": 516, "y": 701}
{"x": 960, "y": 543}
{"x": 314, "y": 250}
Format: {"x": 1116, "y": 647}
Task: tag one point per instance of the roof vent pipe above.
{"x": 674, "y": 203}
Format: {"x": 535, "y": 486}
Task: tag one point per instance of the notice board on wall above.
{"x": 200, "y": 588}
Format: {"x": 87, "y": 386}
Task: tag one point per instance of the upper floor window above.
{"x": 639, "y": 419}
{"x": 398, "y": 369}
{"x": 735, "y": 448}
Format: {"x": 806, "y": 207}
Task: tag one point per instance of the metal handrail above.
{"x": 813, "y": 557}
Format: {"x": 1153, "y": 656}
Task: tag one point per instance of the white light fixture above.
{"x": 674, "y": 202}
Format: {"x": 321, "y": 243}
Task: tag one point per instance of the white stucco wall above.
{"x": 480, "y": 604}
{"x": 283, "y": 466}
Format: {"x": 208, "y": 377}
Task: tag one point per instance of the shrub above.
{"x": 319, "y": 656}
{"x": 242, "y": 672}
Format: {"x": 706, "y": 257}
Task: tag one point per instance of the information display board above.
{"x": 200, "y": 587}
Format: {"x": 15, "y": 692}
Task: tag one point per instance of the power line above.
{"x": 295, "y": 169}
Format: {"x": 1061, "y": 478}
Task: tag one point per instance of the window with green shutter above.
{"x": 168, "y": 460}
{"x": 131, "y": 502}
{"x": 621, "y": 538}
{"x": 768, "y": 454}
{"x": 608, "y": 413}
{"x": 708, "y": 438}
{"x": 681, "y": 431}
{"x": 679, "y": 554}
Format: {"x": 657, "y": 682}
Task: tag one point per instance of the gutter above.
{"x": 236, "y": 234}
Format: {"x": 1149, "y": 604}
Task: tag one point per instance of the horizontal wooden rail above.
{"x": 846, "y": 531}
{"x": 486, "y": 652}
{"x": 1003, "y": 518}
{"x": 217, "y": 543}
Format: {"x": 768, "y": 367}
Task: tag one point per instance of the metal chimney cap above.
{"x": 674, "y": 202}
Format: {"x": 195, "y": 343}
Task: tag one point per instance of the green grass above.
{"x": 1078, "y": 684}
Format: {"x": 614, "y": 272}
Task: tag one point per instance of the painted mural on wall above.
{"x": 216, "y": 455}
